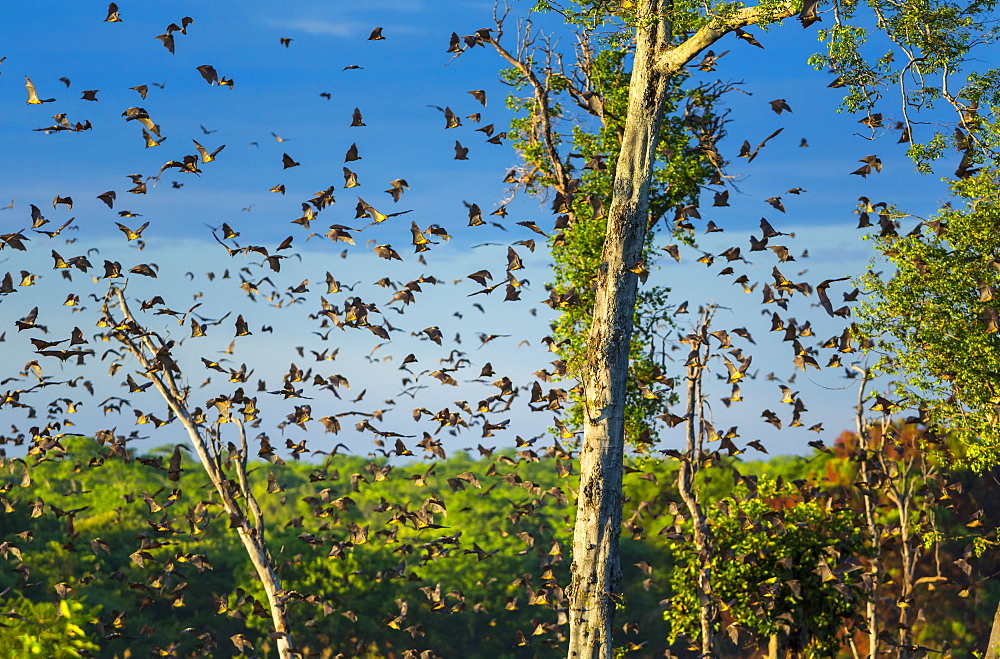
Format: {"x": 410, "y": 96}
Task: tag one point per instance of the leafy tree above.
{"x": 931, "y": 320}
{"x": 568, "y": 132}
{"x": 933, "y": 317}
{"x": 786, "y": 567}
{"x": 667, "y": 38}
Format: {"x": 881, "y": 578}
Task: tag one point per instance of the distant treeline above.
{"x": 109, "y": 553}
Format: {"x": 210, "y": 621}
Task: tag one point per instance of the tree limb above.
{"x": 675, "y": 59}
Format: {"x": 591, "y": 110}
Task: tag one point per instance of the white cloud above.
{"x": 313, "y": 26}
{"x": 340, "y": 28}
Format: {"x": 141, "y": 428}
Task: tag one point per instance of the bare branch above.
{"x": 542, "y": 111}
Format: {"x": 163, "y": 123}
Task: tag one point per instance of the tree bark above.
{"x": 874, "y": 571}
{"x": 596, "y": 571}
{"x": 251, "y": 533}
{"x": 993, "y": 646}
{"x": 777, "y": 646}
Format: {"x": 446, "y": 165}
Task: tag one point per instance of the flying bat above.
{"x": 808, "y": 15}
{"x": 32, "y": 95}
{"x": 205, "y": 155}
{"x": 779, "y": 105}
{"x": 209, "y": 73}
{"x": 130, "y": 233}
{"x": 745, "y": 151}
{"x": 168, "y": 41}
{"x": 365, "y": 209}
{"x": 823, "y": 297}
{"x": 749, "y": 38}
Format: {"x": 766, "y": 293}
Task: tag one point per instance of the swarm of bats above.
{"x": 143, "y": 356}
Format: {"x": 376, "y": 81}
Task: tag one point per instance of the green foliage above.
{"x": 471, "y": 575}
{"x": 468, "y": 570}
{"x": 777, "y": 567}
{"x": 935, "y": 316}
{"x": 685, "y": 16}
{"x": 47, "y": 630}
{"x": 925, "y": 48}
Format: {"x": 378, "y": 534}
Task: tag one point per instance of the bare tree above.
{"x": 153, "y": 354}
{"x": 870, "y": 502}
{"x": 695, "y": 428}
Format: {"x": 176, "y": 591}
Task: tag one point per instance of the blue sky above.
{"x": 277, "y": 92}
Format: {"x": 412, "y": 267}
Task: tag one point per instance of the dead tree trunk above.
{"x": 700, "y": 530}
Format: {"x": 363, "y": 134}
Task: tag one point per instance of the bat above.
{"x": 32, "y": 95}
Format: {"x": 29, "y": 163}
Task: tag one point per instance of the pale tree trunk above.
{"x": 708, "y": 610}
{"x": 777, "y": 646}
{"x": 596, "y": 571}
{"x": 993, "y": 645}
{"x": 901, "y": 491}
{"x": 250, "y": 529}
